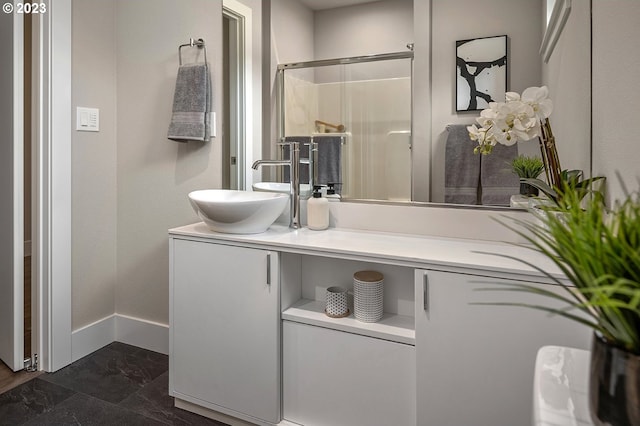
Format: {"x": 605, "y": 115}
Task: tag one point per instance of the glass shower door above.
{"x": 369, "y": 105}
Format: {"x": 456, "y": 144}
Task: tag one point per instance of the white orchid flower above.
{"x": 491, "y": 112}
{"x": 525, "y": 129}
{"x": 474, "y": 133}
{"x": 512, "y": 96}
{"x": 505, "y": 136}
{"x": 502, "y": 109}
{"x": 535, "y": 94}
{"x": 516, "y": 119}
{"x": 522, "y": 109}
{"x": 538, "y": 98}
{"x": 485, "y": 138}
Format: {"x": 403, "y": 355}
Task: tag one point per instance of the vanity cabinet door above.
{"x": 225, "y": 329}
{"x": 475, "y": 363}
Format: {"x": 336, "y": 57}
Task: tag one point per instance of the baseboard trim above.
{"x": 142, "y": 333}
{"x": 119, "y": 328}
{"x": 92, "y": 337}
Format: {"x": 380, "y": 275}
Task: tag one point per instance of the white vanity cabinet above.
{"x": 225, "y": 329}
{"x": 475, "y": 363}
{"x": 340, "y": 371}
{"x": 249, "y": 337}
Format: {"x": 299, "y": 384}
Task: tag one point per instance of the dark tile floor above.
{"x": 116, "y": 385}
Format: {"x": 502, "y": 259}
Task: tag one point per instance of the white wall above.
{"x": 616, "y": 91}
{"x": 299, "y": 34}
{"x": 291, "y": 40}
{"x": 568, "y": 76}
{"x": 156, "y": 174}
{"x": 366, "y": 29}
{"x": 421, "y": 122}
{"x": 292, "y": 25}
{"x": 130, "y": 183}
{"x": 465, "y": 19}
{"x": 93, "y": 173}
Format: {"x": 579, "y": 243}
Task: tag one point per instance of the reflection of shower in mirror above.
{"x": 367, "y": 99}
{"x": 324, "y": 127}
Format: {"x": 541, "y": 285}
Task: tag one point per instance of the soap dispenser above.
{"x": 317, "y": 210}
{"x": 332, "y": 197}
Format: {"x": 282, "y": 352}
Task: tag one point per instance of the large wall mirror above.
{"x": 396, "y": 126}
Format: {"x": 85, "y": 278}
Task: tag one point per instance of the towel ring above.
{"x": 199, "y": 43}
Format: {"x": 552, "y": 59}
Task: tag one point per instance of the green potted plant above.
{"x": 527, "y": 168}
{"x": 571, "y": 181}
{"x": 599, "y": 253}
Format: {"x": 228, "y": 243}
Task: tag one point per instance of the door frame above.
{"x": 51, "y": 199}
{"x": 12, "y": 308}
{"x": 242, "y": 15}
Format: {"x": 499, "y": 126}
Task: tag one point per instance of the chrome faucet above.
{"x": 312, "y": 161}
{"x": 294, "y": 171}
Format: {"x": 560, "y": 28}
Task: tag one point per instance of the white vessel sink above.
{"x": 280, "y": 187}
{"x": 238, "y": 212}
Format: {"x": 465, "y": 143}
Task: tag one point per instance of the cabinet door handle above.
{"x": 425, "y": 292}
{"x": 269, "y": 269}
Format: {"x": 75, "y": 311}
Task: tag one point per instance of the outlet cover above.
{"x": 87, "y": 119}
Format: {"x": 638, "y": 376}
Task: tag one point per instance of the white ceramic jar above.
{"x": 368, "y": 295}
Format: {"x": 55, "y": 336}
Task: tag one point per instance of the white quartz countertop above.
{"x": 401, "y": 249}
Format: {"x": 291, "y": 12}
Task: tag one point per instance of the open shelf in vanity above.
{"x": 326, "y": 360}
{"x": 395, "y": 328}
{"x": 304, "y": 281}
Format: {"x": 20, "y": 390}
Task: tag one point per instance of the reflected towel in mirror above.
{"x": 329, "y": 159}
{"x": 497, "y": 181}
{"x": 304, "y": 154}
{"x": 462, "y": 167}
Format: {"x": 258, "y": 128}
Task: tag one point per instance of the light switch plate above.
{"x": 87, "y": 119}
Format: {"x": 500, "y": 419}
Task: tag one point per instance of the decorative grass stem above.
{"x": 550, "y": 155}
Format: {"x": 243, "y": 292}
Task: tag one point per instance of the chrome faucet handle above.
{"x": 289, "y": 144}
{"x": 294, "y": 166}
{"x": 312, "y": 161}
{"x": 294, "y": 149}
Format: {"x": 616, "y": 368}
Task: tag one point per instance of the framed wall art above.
{"x": 481, "y": 72}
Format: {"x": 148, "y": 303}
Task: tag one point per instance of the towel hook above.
{"x": 199, "y": 43}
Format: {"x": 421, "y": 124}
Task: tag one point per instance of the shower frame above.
{"x": 280, "y": 121}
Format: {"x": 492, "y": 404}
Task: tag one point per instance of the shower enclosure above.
{"x": 367, "y": 101}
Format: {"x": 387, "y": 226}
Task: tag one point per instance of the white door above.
{"x": 225, "y": 323}
{"x": 11, "y": 187}
{"x": 475, "y": 363}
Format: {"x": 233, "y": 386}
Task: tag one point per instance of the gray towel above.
{"x": 462, "y": 167}
{"x": 329, "y": 159}
{"x": 304, "y": 153}
{"x": 497, "y": 180}
{"x": 191, "y": 104}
